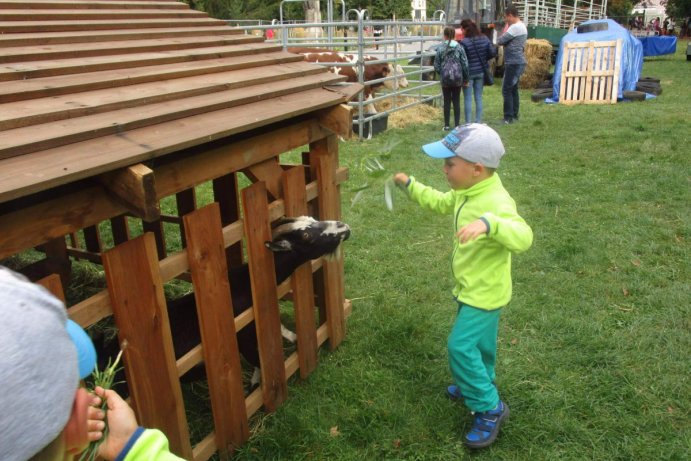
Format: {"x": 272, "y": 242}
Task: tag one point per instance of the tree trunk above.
{"x": 313, "y": 15}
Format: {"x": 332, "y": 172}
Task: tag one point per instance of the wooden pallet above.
{"x": 590, "y": 72}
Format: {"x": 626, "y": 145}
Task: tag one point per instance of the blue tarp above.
{"x": 657, "y": 45}
{"x": 631, "y": 54}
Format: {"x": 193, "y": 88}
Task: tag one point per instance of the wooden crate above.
{"x": 590, "y": 72}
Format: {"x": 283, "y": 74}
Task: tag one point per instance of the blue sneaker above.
{"x": 454, "y": 392}
{"x": 486, "y": 426}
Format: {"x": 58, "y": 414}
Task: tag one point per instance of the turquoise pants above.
{"x": 473, "y": 355}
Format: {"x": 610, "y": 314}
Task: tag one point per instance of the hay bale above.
{"x": 414, "y": 115}
{"x": 538, "y": 54}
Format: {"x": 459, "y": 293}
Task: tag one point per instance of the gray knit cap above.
{"x": 42, "y": 357}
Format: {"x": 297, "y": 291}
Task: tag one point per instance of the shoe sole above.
{"x": 493, "y": 436}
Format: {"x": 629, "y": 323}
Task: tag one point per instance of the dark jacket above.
{"x": 478, "y": 50}
{"x": 451, "y": 50}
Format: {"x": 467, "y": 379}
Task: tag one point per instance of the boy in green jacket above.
{"x": 488, "y": 230}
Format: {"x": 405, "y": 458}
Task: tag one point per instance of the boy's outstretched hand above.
{"x": 121, "y": 424}
{"x": 472, "y": 231}
{"x": 401, "y": 179}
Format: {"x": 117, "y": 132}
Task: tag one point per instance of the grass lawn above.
{"x": 593, "y": 349}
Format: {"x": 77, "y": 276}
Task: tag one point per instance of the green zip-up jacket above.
{"x": 147, "y": 444}
{"x": 481, "y": 267}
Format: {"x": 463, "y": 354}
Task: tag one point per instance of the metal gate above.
{"x": 399, "y": 43}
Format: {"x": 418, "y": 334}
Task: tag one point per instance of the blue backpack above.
{"x": 451, "y": 68}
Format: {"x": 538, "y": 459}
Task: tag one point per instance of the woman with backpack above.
{"x": 478, "y": 50}
{"x": 451, "y": 64}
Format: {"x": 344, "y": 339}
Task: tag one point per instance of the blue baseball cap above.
{"x": 474, "y": 142}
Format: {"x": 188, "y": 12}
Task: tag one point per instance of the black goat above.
{"x": 294, "y": 242}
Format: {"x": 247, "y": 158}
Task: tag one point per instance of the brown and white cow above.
{"x": 372, "y": 71}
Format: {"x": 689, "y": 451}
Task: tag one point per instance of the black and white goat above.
{"x": 294, "y": 242}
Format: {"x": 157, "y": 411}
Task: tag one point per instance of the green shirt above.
{"x": 481, "y": 267}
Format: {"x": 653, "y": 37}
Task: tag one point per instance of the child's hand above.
{"x": 401, "y": 179}
{"x": 95, "y": 417}
{"x": 472, "y": 231}
{"x": 121, "y": 423}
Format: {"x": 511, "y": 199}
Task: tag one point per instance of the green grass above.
{"x": 593, "y": 350}
{"x": 594, "y": 347}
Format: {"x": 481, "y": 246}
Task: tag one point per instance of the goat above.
{"x": 294, "y": 242}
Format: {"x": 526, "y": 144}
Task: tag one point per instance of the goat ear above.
{"x": 278, "y": 245}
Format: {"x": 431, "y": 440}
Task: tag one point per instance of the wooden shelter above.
{"x": 107, "y": 107}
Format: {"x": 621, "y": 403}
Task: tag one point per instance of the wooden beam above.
{"x": 338, "y": 119}
{"x": 52, "y": 283}
{"x": 270, "y": 172}
{"x": 135, "y": 188}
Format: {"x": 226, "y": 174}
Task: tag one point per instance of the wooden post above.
{"x": 53, "y": 284}
{"x": 156, "y": 227}
{"x": 92, "y": 239}
{"x": 264, "y": 295}
{"x": 136, "y": 294}
{"x": 187, "y": 203}
{"x": 226, "y": 194}
{"x": 295, "y": 199}
{"x": 57, "y": 259}
{"x": 207, "y": 260}
{"x": 324, "y": 161}
{"x": 120, "y": 229}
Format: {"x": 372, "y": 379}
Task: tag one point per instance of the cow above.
{"x": 373, "y": 71}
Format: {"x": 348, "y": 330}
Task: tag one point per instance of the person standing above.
{"x": 451, "y": 64}
{"x": 478, "y": 50}
{"x": 513, "y": 41}
{"x": 488, "y": 232}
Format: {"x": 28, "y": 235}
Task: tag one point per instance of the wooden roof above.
{"x": 92, "y": 86}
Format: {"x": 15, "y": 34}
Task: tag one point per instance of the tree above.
{"x": 234, "y": 9}
{"x": 620, "y": 9}
{"x": 384, "y": 9}
{"x": 312, "y": 11}
{"x": 678, "y": 9}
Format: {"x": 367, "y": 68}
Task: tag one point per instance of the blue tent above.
{"x": 631, "y": 54}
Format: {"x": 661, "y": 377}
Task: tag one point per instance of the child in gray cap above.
{"x": 44, "y": 413}
{"x": 488, "y": 231}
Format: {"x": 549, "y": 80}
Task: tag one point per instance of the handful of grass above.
{"x": 388, "y": 195}
{"x": 104, "y": 379}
